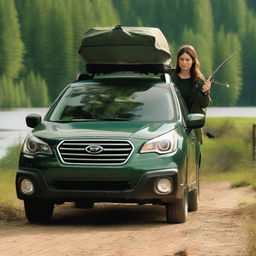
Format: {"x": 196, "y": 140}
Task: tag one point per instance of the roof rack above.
{"x": 139, "y": 68}
{"x": 163, "y": 76}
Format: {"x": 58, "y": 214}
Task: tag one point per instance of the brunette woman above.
{"x": 190, "y": 81}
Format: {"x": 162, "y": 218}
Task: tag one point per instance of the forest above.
{"x": 39, "y": 42}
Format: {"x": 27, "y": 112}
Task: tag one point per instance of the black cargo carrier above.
{"x": 137, "y": 49}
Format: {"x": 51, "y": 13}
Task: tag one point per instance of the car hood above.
{"x": 108, "y": 129}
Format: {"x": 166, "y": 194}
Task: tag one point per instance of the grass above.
{"x": 229, "y": 156}
{"x": 8, "y": 167}
{"x": 238, "y": 178}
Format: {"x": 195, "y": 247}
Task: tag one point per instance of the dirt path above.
{"x": 120, "y": 230}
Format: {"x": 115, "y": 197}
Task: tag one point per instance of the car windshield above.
{"x": 97, "y": 102}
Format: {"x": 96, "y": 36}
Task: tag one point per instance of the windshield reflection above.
{"x": 97, "y": 102}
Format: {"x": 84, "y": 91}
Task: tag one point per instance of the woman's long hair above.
{"x": 195, "y": 68}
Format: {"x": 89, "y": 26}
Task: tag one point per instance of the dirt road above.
{"x": 217, "y": 228}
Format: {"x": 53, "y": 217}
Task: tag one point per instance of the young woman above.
{"x": 190, "y": 81}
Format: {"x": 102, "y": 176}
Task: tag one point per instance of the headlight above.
{"x": 33, "y": 145}
{"x": 164, "y": 144}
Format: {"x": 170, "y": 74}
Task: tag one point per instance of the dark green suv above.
{"x": 113, "y": 138}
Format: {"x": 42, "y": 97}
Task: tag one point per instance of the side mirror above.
{"x": 195, "y": 121}
{"x": 32, "y": 120}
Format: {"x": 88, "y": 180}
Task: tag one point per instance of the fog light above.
{"x": 164, "y": 186}
{"x": 27, "y": 187}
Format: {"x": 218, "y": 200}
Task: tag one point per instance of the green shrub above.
{"x": 8, "y": 167}
{"x": 231, "y": 127}
{"x": 11, "y": 159}
{"x": 224, "y": 154}
{"x": 229, "y": 156}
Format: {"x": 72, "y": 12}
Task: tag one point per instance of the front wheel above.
{"x": 177, "y": 212}
{"x": 38, "y": 210}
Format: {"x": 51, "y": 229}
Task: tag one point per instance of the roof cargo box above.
{"x": 107, "y": 49}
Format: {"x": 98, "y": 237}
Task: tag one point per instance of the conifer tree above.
{"x": 231, "y": 15}
{"x": 59, "y": 67}
{"x": 121, "y": 8}
{"x": 252, "y": 5}
{"x": 36, "y": 89}
{"x": 249, "y": 65}
{"x": 11, "y": 46}
{"x": 128, "y": 12}
{"x": 43, "y": 37}
{"x": 105, "y": 13}
{"x": 21, "y": 95}
{"x": 81, "y": 22}
{"x": 172, "y": 17}
{"x": 34, "y": 25}
{"x": 202, "y": 26}
{"x": 7, "y": 99}
{"x": 230, "y": 73}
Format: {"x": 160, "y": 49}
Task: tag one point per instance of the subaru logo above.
{"x": 94, "y": 149}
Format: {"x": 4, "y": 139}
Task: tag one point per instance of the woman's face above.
{"x": 185, "y": 62}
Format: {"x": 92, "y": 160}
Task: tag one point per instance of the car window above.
{"x": 112, "y": 102}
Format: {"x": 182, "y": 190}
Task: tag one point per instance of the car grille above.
{"x": 113, "y": 152}
{"x": 92, "y": 184}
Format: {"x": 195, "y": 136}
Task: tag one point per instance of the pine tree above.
{"x": 233, "y": 13}
{"x": 252, "y": 5}
{"x": 249, "y": 65}
{"x": 11, "y": 46}
{"x": 36, "y": 89}
{"x": 231, "y": 71}
{"x": 44, "y": 37}
{"x": 34, "y": 25}
{"x": 128, "y": 12}
{"x": 7, "y": 92}
{"x": 23, "y": 97}
{"x": 105, "y": 13}
{"x": 202, "y": 26}
{"x": 59, "y": 66}
{"x": 81, "y": 22}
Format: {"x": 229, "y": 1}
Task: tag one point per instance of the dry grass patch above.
{"x": 251, "y": 222}
{"x": 181, "y": 253}
{"x": 8, "y": 214}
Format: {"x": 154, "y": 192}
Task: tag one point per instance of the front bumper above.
{"x": 141, "y": 192}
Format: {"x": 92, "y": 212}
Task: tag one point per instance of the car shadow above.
{"x": 103, "y": 215}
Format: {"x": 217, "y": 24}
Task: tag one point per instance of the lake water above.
{"x": 232, "y": 112}
{"x": 13, "y": 127}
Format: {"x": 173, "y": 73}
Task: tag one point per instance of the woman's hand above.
{"x": 206, "y": 87}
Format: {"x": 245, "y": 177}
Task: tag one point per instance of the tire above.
{"x": 177, "y": 212}
{"x": 84, "y": 204}
{"x": 193, "y": 200}
{"x": 38, "y": 210}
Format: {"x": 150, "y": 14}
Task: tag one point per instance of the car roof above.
{"x": 125, "y": 79}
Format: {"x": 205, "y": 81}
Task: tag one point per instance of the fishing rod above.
{"x": 217, "y": 82}
{"x": 211, "y": 78}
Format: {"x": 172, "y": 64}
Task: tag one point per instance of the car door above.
{"x": 192, "y": 142}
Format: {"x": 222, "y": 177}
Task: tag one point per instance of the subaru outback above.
{"x": 112, "y": 138}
